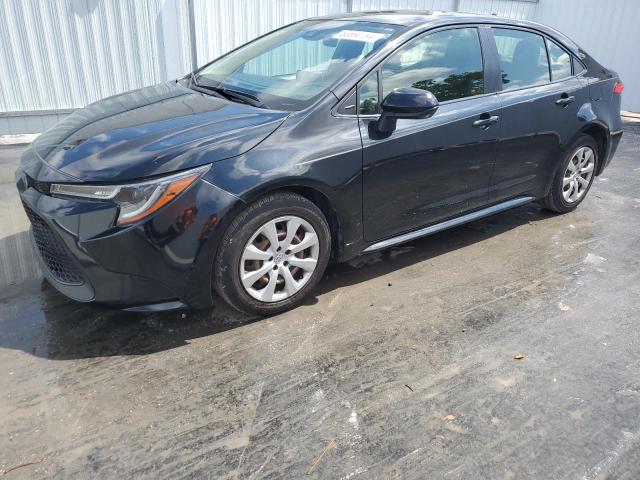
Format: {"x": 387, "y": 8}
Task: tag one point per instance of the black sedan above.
{"x": 319, "y": 141}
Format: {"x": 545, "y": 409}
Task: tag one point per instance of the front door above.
{"x": 427, "y": 170}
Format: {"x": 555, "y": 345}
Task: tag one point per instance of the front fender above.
{"x": 338, "y": 180}
{"x": 317, "y": 153}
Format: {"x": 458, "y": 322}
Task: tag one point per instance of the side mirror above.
{"x": 406, "y": 103}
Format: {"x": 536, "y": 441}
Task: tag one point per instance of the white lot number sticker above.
{"x": 359, "y": 36}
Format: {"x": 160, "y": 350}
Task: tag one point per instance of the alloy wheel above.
{"x": 578, "y": 175}
{"x": 279, "y": 259}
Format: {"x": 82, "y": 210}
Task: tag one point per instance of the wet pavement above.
{"x": 402, "y": 365}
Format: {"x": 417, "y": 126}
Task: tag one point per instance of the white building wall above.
{"x": 609, "y": 30}
{"x": 222, "y": 25}
{"x": 58, "y": 55}
{"x": 363, "y": 5}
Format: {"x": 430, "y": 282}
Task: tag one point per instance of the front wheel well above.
{"x": 599, "y": 134}
{"x": 324, "y": 204}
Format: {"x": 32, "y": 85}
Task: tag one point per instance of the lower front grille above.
{"x": 53, "y": 252}
{"x": 42, "y": 187}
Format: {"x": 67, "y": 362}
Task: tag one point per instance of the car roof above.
{"x": 405, "y": 18}
{"x": 411, "y": 19}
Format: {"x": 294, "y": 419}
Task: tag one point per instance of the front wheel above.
{"x": 273, "y": 254}
{"x": 574, "y": 176}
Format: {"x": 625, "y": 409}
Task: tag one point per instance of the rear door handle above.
{"x": 486, "y": 122}
{"x": 565, "y": 100}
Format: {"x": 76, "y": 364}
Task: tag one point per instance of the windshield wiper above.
{"x": 194, "y": 79}
{"x": 227, "y": 93}
{"x": 194, "y": 85}
{"x": 231, "y": 94}
{"x": 243, "y": 97}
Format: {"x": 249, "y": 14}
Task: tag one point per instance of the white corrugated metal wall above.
{"x": 608, "y": 30}
{"x": 57, "y": 55}
{"x": 503, "y": 8}
{"x": 222, "y": 25}
{"x": 363, "y": 5}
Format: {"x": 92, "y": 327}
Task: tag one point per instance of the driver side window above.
{"x": 447, "y": 63}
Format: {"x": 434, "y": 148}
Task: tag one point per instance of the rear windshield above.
{"x": 292, "y": 67}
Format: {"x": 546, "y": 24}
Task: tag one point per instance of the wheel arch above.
{"x": 316, "y": 195}
{"x": 600, "y": 133}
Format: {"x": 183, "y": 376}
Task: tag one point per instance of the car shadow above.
{"x": 38, "y": 320}
{"x": 377, "y": 264}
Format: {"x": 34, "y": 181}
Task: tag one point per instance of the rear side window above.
{"x": 523, "y": 58}
{"x": 560, "y": 61}
{"x": 447, "y": 63}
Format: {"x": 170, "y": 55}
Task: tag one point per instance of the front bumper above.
{"x": 162, "y": 262}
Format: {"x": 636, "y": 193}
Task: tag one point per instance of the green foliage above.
{"x": 454, "y": 86}
{"x": 369, "y": 106}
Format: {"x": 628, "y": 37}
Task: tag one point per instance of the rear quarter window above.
{"x": 578, "y": 66}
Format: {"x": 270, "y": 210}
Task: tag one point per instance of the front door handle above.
{"x": 486, "y": 121}
{"x": 565, "y": 100}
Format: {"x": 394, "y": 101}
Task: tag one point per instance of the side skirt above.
{"x": 454, "y": 222}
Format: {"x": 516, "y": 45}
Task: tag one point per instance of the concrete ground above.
{"x": 402, "y": 365}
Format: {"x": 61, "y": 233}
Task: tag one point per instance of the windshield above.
{"x": 290, "y": 68}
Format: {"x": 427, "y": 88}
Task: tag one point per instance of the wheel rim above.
{"x": 279, "y": 259}
{"x": 578, "y": 175}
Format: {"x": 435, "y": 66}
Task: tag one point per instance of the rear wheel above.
{"x": 273, "y": 254}
{"x": 574, "y": 177}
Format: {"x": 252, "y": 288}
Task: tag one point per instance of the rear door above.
{"x": 429, "y": 169}
{"x": 540, "y": 98}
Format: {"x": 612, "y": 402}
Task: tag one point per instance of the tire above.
{"x": 248, "y": 236}
{"x": 556, "y": 200}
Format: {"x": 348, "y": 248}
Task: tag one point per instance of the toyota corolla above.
{"x": 314, "y": 143}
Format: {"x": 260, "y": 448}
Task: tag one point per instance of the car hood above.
{"x": 151, "y": 131}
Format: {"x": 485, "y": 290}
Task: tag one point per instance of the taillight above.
{"x": 618, "y": 88}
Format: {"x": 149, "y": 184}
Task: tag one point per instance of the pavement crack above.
{"x": 323, "y": 452}
{"x": 22, "y": 465}
{"x": 248, "y": 429}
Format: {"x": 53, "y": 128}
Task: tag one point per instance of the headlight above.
{"x": 136, "y": 200}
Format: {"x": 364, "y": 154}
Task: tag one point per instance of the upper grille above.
{"x": 53, "y": 252}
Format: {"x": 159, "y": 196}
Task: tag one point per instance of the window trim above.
{"x": 378, "y": 68}
{"x": 546, "y": 48}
